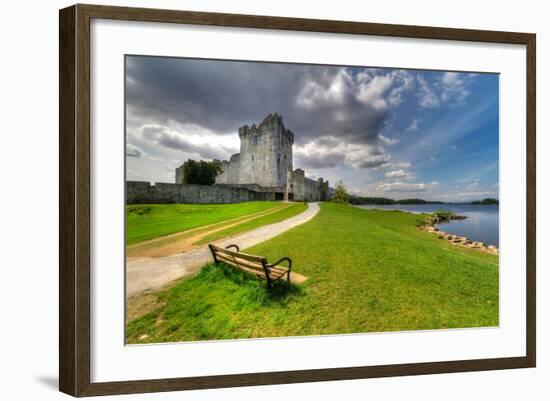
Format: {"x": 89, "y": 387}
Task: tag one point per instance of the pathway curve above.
{"x": 148, "y": 274}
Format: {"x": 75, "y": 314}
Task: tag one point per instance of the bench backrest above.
{"x": 253, "y": 262}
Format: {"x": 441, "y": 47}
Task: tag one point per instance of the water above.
{"x": 481, "y": 224}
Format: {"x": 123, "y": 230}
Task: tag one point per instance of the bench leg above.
{"x": 266, "y": 272}
{"x": 213, "y": 254}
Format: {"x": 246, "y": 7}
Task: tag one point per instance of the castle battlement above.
{"x": 271, "y": 125}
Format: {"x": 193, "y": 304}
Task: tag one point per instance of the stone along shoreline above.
{"x": 454, "y": 239}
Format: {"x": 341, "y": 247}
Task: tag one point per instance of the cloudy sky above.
{"x": 394, "y": 133}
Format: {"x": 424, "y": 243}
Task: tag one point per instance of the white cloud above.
{"x": 399, "y": 174}
{"x": 400, "y": 165}
{"x": 388, "y": 141}
{"x": 472, "y": 186}
{"x": 133, "y": 175}
{"x": 314, "y": 94}
{"x": 372, "y": 161}
{"x": 413, "y": 126}
{"x": 450, "y": 88}
{"x": 475, "y": 193}
{"x": 372, "y": 92}
{"x": 454, "y": 88}
{"x": 451, "y": 79}
{"x": 427, "y": 96}
{"x": 331, "y": 153}
{"x": 133, "y": 151}
{"x": 379, "y": 90}
{"x": 406, "y": 186}
{"x": 405, "y": 83}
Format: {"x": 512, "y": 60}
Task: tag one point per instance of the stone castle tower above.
{"x": 265, "y": 158}
{"x": 264, "y": 165}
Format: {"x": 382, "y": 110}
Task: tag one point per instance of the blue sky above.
{"x": 394, "y": 133}
{"x": 447, "y": 130}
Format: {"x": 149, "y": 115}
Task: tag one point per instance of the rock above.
{"x": 492, "y": 249}
{"x": 457, "y": 240}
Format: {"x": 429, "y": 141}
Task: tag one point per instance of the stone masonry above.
{"x": 264, "y": 164}
{"x": 140, "y": 192}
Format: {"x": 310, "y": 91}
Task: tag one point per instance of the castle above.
{"x": 264, "y": 165}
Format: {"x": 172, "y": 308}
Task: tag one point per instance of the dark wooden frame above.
{"x": 74, "y": 202}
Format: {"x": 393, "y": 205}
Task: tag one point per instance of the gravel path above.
{"x": 148, "y": 274}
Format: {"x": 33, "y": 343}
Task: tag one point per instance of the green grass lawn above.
{"x": 369, "y": 271}
{"x": 275, "y": 217}
{"x": 145, "y": 222}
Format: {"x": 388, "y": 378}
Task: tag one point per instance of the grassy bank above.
{"x": 280, "y": 215}
{"x": 369, "y": 270}
{"x": 145, "y": 222}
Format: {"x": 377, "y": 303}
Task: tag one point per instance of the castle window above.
{"x": 252, "y": 157}
{"x": 254, "y": 142}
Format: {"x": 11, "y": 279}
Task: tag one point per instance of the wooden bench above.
{"x": 251, "y": 263}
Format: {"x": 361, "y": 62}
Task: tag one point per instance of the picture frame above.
{"x": 75, "y": 204}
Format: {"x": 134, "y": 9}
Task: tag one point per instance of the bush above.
{"x": 340, "y": 194}
{"x": 201, "y": 172}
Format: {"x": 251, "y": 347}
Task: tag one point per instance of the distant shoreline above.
{"x": 367, "y": 200}
{"x": 431, "y": 227}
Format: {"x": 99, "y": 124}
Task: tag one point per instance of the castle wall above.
{"x": 264, "y": 164}
{"x": 179, "y": 175}
{"x": 139, "y": 192}
{"x": 221, "y": 178}
{"x": 265, "y": 155}
{"x": 311, "y": 190}
{"x": 234, "y": 171}
{"x": 297, "y": 186}
{"x": 266, "y": 152}
{"x": 307, "y": 190}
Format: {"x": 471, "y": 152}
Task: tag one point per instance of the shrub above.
{"x": 340, "y": 193}
{"x": 201, "y": 172}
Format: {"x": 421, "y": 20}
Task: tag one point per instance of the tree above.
{"x": 340, "y": 193}
{"x": 201, "y": 172}
{"x": 486, "y": 201}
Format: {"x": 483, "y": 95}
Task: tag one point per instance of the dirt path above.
{"x": 179, "y": 242}
{"x": 149, "y": 274}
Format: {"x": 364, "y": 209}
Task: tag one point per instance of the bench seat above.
{"x": 252, "y": 264}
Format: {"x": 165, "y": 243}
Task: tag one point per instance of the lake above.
{"x": 481, "y": 224}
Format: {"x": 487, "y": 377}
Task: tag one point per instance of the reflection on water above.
{"x": 481, "y": 223}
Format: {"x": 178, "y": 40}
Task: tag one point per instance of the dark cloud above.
{"x": 375, "y": 161}
{"x": 329, "y": 160}
{"x": 220, "y": 96}
{"x": 173, "y": 140}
